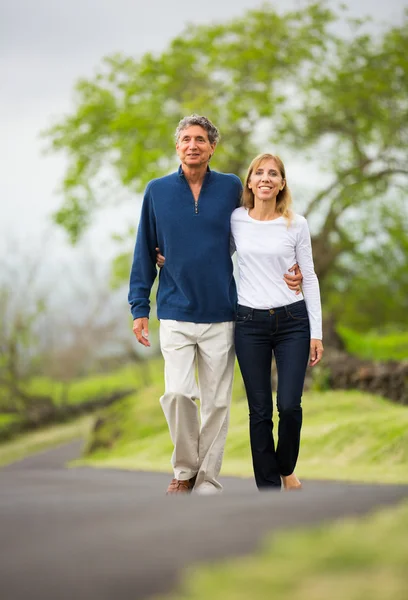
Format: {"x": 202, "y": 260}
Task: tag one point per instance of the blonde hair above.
{"x": 284, "y": 197}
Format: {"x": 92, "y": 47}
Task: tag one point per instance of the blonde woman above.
{"x": 272, "y": 320}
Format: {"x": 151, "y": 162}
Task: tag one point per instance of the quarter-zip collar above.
{"x": 181, "y": 173}
{"x": 204, "y": 184}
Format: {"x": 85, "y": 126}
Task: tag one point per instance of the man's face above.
{"x": 193, "y": 146}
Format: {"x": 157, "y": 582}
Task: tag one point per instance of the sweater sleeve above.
{"x": 240, "y": 190}
{"x": 232, "y": 246}
{"x": 238, "y": 204}
{"x": 310, "y": 284}
{"x": 144, "y": 269}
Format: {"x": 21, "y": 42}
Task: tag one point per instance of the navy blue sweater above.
{"x": 196, "y": 283}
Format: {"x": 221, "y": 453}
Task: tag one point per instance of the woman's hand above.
{"x": 316, "y": 352}
{"x": 294, "y": 281}
{"x": 160, "y": 260}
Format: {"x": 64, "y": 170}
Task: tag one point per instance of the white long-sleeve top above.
{"x": 266, "y": 250}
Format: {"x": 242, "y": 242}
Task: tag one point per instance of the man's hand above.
{"x": 141, "y": 330}
{"x": 294, "y": 281}
{"x": 160, "y": 260}
{"x": 316, "y": 352}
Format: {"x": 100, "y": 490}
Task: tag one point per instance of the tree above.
{"x": 355, "y": 121}
{"x": 20, "y": 344}
{"x": 237, "y": 73}
{"x": 62, "y": 330}
{"x": 371, "y": 289}
{"x": 265, "y": 78}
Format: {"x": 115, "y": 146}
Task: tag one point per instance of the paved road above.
{"x": 90, "y": 534}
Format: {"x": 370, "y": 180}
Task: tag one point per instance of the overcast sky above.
{"x": 45, "y": 46}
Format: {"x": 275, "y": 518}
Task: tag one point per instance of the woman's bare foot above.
{"x": 291, "y": 482}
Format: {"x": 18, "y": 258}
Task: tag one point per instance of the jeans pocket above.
{"x": 240, "y": 318}
{"x": 298, "y": 313}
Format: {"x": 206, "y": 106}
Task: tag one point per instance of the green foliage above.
{"x": 82, "y": 390}
{"x": 354, "y": 559}
{"x": 266, "y": 79}
{"x": 320, "y": 378}
{"x": 123, "y": 261}
{"x": 375, "y": 345}
{"x": 237, "y": 73}
{"x": 7, "y": 422}
{"x": 355, "y": 121}
{"x": 132, "y": 425}
{"x": 99, "y": 385}
{"x": 19, "y": 343}
{"x": 120, "y": 269}
{"x": 370, "y": 290}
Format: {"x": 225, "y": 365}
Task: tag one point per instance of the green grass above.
{"x": 84, "y": 389}
{"x": 346, "y": 435}
{"x": 376, "y": 346}
{"x": 140, "y": 434}
{"x": 8, "y": 424}
{"x": 348, "y": 560}
{"x": 81, "y": 390}
{"x": 6, "y": 419}
{"x": 90, "y": 387}
{"x": 41, "y": 439}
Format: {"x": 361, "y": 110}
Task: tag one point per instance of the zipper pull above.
{"x": 196, "y": 207}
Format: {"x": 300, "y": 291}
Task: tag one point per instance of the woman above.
{"x": 271, "y": 320}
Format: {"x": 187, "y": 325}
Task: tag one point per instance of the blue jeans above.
{"x": 285, "y": 333}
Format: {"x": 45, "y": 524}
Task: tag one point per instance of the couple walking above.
{"x": 191, "y": 223}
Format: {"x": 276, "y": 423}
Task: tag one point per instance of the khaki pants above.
{"x": 198, "y": 448}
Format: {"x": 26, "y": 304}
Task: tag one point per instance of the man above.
{"x": 187, "y": 215}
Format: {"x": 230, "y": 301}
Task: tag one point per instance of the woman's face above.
{"x": 266, "y": 181}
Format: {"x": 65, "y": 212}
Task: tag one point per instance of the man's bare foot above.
{"x": 291, "y": 482}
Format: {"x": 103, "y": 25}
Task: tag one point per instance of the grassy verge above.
{"x": 6, "y": 420}
{"x": 376, "y": 346}
{"x": 78, "y": 396}
{"x": 353, "y": 560}
{"x": 49, "y": 437}
{"x": 346, "y": 435}
{"x": 79, "y": 391}
{"x": 90, "y": 387}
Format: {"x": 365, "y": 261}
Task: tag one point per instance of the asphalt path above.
{"x": 105, "y": 534}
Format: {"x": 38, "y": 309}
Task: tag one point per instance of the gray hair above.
{"x": 212, "y": 131}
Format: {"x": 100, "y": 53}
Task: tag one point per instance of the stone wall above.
{"x": 388, "y": 379}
